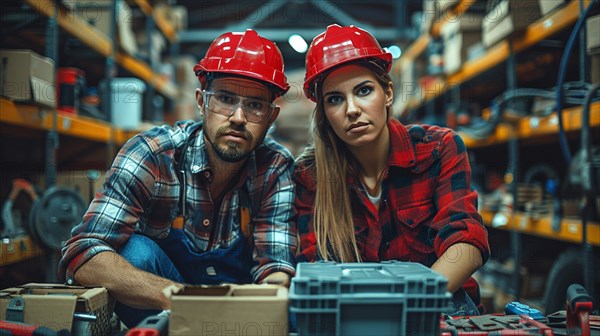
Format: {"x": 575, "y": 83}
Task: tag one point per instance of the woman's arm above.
{"x": 458, "y": 263}
{"x": 461, "y": 243}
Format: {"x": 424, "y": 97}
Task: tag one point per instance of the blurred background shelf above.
{"x": 34, "y": 117}
{"x": 101, "y": 43}
{"x": 571, "y": 229}
{"x": 532, "y": 127}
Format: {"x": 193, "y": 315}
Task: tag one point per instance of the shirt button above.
{"x": 70, "y": 281}
{"x": 195, "y": 167}
{"x": 207, "y": 174}
{"x": 206, "y": 222}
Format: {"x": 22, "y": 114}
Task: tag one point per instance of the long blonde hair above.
{"x": 332, "y": 211}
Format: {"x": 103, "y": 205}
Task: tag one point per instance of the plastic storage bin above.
{"x": 126, "y": 102}
{"x": 390, "y": 298}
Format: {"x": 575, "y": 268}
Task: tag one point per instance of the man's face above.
{"x": 231, "y": 135}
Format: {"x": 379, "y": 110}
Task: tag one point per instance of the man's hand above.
{"x": 277, "y": 278}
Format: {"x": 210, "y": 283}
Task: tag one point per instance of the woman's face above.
{"x": 355, "y": 104}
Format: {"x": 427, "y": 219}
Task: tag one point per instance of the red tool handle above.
{"x": 22, "y": 329}
{"x": 579, "y": 306}
{"x": 143, "y": 332}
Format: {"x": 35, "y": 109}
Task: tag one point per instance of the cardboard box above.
{"x": 446, "y": 5}
{"x": 548, "y": 6}
{"x": 94, "y": 12}
{"x": 458, "y": 36}
{"x": 53, "y": 306}
{"x": 508, "y": 17}
{"x": 27, "y": 77}
{"x": 178, "y": 15}
{"x": 430, "y": 13}
{"x": 228, "y": 309}
{"x": 593, "y": 35}
{"x": 98, "y": 14}
{"x": 595, "y": 68}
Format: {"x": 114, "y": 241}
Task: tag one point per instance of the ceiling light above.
{"x": 298, "y": 43}
{"x": 394, "y": 50}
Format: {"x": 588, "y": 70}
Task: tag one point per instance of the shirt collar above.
{"x": 402, "y": 152}
{"x": 197, "y": 153}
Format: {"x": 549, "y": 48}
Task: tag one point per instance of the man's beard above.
{"x": 232, "y": 152}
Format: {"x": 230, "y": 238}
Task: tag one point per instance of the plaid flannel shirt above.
{"x": 141, "y": 194}
{"x": 426, "y": 206}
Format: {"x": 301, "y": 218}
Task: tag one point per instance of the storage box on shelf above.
{"x": 26, "y": 76}
{"x": 548, "y": 6}
{"x": 98, "y": 14}
{"x": 593, "y": 46}
{"x": 390, "y": 298}
{"x": 507, "y": 17}
{"x": 459, "y": 35}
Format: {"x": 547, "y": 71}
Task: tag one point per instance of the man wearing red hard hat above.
{"x": 205, "y": 202}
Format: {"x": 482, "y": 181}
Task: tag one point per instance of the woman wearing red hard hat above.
{"x": 205, "y": 202}
{"x": 370, "y": 188}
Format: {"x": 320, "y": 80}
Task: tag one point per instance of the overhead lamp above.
{"x": 394, "y": 50}
{"x": 298, "y": 43}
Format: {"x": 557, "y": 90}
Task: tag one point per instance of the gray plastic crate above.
{"x": 388, "y": 298}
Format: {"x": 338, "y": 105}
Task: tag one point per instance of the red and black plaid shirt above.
{"x": 427, "y": 203}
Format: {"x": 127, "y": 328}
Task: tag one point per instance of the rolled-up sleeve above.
{"x": 113, "y": 214}
{"x": 457, "y": 219}
{"x": 275, "y": 239}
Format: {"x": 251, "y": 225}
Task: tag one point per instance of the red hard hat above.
{"x": 338, "y": 45}
{"x": 246, "y": 54}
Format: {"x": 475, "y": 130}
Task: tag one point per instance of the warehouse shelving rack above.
{"x": 75, "y": 129}
{"x": 526, "y": 131}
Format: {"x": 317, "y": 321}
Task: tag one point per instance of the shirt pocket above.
{"x": 414, "y": 216}
{"x": 425, "y": 155}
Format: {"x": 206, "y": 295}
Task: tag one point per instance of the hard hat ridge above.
{"x": 244, "y": 54}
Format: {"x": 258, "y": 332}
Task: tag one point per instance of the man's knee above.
{"x": 145, "y": 254}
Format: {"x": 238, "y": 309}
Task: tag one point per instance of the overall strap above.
{"x": 246, "y": 226}
{"x": 179, "y": 167}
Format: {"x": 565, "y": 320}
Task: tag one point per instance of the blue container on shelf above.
{"x": 388, "y": 298}
{"x": 126, "y": 102}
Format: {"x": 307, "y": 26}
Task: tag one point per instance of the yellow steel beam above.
{"x": 75, "y": 25}
{"x": 33, "y": 117}
{"x": 532, "y": 127}
{"x": 159, "y": 17}
{"x": 570, "y": 229}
